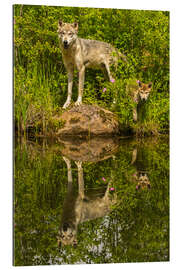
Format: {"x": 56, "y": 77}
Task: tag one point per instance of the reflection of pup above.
{"x": 82, "y": 53}
{"x": 139, "y": 177}
{"x": 79, "y": 208}
{"x": 138, "y": 91}
{"x": 142, "y": 180}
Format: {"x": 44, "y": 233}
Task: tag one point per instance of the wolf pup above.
{"x": 138, "y": 91}
{"x": 80, "y": 53}
{"x": 140, "y": 177}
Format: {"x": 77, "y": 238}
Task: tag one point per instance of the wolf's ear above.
{"x": 75, "y": 243}
{"x": 150, "y": 84}
{"x": 75, "y": 25}
{"x": 58, "y": 241}
{"x": 139, "y": 83}
{"x": 60, "y": 23}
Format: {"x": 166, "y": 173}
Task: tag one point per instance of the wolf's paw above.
{"x": 68, "y": 162}
{"x": 78, "y": 103}
{"x": 78, "y": 164}
{"x": 66, "y": 104}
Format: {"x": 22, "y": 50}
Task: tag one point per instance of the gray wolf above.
{"x": 82, "y": 53}
{"x": 78, "y": 208}
{"x": 138, "y": 91}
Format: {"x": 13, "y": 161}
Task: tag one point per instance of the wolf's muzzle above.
{"x": 66, "y": 44}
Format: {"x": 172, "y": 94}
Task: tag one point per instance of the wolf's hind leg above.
{"x": 108, "y": 71}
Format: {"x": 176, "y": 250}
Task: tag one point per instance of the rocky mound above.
{"x": 88, "y": 120}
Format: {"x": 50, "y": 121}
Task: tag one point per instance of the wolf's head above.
{"x": 67, "y": 33}
{"x": 144, "y": 90}
{"x": 67, "y": 235}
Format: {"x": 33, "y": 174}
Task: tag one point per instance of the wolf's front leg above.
{"x": 80, "y": 178}
{"x": 68, "y": 164}
{"x": 135, "y": 114}
{"x": 81, "y": 85}
{"x": 70, "y": 84}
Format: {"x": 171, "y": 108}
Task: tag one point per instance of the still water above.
{"x": 97, "y": 201}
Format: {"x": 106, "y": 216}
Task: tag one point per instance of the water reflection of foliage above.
{"x": 136, "y": 229}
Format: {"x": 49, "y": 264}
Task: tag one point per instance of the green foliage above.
{"x": 40, "y": 79}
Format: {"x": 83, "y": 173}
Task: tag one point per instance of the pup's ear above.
{"x": 58, "y": 241}
{"x": 138, "y": 187}
{"x": 150, "y": 85}
{"x": 75, "y": 25}
{"x": 75, "y": 243}
{"x": 139, "y": 83}
{"x": 60, "y": 23}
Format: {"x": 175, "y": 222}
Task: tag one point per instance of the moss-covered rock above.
{"x": 88, "y": 120}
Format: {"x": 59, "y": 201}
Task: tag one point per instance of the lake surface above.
{"x": 97, "y": 201}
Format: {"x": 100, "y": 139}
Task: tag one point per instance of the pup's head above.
{"x": 67, "y": 33}
{"x": 144, "y": 90}
{"x": 67, "y": 235}
{"x": 143, "y": 181}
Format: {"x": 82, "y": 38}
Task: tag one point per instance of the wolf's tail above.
{"x": 122, "y": 56}
{"x": 118, "y": 56}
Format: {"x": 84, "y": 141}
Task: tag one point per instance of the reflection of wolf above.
{"x": 139, "y": 177}
{"x": 138, "y": 91}
{"x": 81, "y": 53}
{"x": 80, "y": 208}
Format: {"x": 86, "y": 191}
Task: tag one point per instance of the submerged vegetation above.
{"x": 40, "y": 79}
